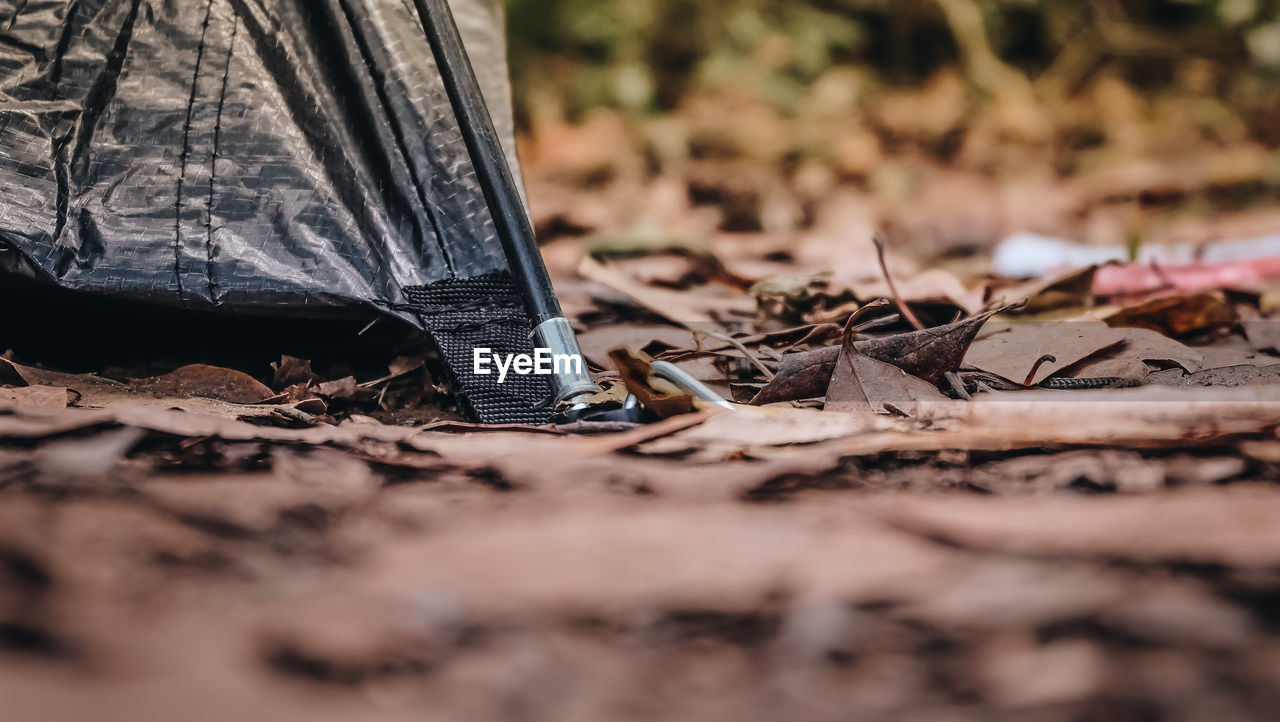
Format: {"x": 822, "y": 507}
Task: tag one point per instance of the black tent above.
{"x": 259, "y": 157}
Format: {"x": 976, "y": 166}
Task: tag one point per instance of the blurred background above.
{"x": 948, "y": 123}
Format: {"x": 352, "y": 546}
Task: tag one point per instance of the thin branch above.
{"x": 907, "y": 313}
{"x": 738, "y": 345}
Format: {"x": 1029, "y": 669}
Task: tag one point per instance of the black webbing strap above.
{"x": 486, "y": 312}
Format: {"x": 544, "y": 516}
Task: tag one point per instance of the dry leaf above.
{"x": 344, "y": 389}
{"x": 1129, "y": 359}
{"x": 290, "y": 371}
{"x": 96, "y": 392}
{"x": 860, "y": 383}
{"x": 1226, "y": 377}
{"x": 1263, "y": 332}
{"x": 670, "y": 305}
{"x": 792, "y": 299}
{"x": 934, "y": 285}
{"x": 1176, "y": 315}
{"x": 1072, "y": 290}
{"x": 657, "y": 395}
{"x": 597, "y": 343}
{"x": 35, "y": 397}
{"x": 929, "y": 354}
{"x": 1029, "y": 354}
{"x": 402, "y": 365}
{"x": 209, "y": 382}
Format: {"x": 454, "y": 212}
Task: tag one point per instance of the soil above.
{"x": 197, "y": 579}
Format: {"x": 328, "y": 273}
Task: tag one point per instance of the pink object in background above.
{"x": 1118, "y": 280}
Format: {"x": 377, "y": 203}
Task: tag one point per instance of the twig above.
{"x": 907, "y": 313}
{"x": 771, "y": 352}
{"x": 738, "y": 345}
{"x": 878, "y": 323}
{"x": 1046, "y": 359}
{"x": 957, "y": 384}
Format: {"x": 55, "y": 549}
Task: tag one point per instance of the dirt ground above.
{"x": 166, "y": 564}
{"x": 248, "y": 542}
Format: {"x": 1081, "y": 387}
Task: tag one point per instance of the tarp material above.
{"x": 256, "y": 156}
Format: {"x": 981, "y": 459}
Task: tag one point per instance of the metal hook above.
{"x": 678, "y": 376}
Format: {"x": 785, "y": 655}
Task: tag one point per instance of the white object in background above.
{"x": 1025, "y": 255}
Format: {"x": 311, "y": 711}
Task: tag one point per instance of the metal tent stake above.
{"x": 552, "y": 331}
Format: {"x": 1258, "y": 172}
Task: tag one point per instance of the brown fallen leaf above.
{"x": 290, "y": 371}
{"x": 35, "y": 397}
{"x": 1263, "y": 332}
{"x": 657, "y": 395}
{"x": 209, "y": 382}
{"x": 1227, "y": 377}
{"x": 766, "y": 433}
{"x": 87, "y": 385}
{"x": 675, "y": 267}
{"x": 932, "y": 286}
{"x": 597, "y": 343}
{"x": 792, "y": 299}
{"x": 1175, "y": 315}
{"x": 303, "y": 398}
{"x": 712, "y": 346}
{"x": 96, "y": 392}
{"x": 1028, "y": 354}
{"x": 1072, "y": 290}
{"x": 1235, "y": 529}
{"x": 643, "y": 434}
{"x": 1129, "y": 360}
{"x": 344, "y": 389}
{"x": 671, "y": 305}
{"x": 29, "y": 424}
{"x": 402, "y": 365}
{"x": 860, "y": 384}
{"x": 929, "y": 354}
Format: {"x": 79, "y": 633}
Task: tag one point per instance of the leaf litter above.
{"x": 1077, "y": 489}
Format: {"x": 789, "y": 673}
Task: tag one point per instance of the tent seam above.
{"x": 186, "y": 152}
{"x": 209, "y": 244}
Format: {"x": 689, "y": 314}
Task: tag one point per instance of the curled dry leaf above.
{"x": 929, "y": 354}
{"x": 208, "y": 382}
{"x": 303, "y": 398}
{"x": 659, "y": 396}
{"x": 791, "y": 299}
{"x": 290, "y": 371}
{"x": 343, "y": 389}
{"x": 1176, "y": 315}
{"x": 1072, "y": 290}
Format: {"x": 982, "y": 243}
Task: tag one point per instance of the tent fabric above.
{"x": 247, "y": 156}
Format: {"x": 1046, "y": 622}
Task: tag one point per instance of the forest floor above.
{"x": 1063, "y": 511}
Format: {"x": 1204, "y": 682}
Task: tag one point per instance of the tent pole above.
{"x": 552, "y": 331}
